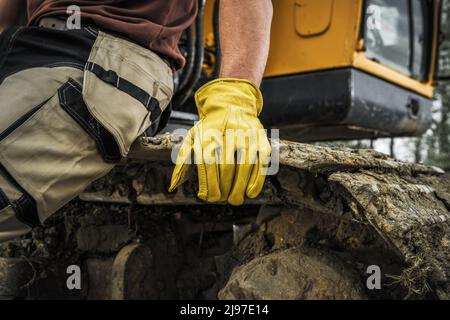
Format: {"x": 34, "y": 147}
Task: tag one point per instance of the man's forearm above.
{"x": 12, "y": 13}
{"x": 245, "y": 38}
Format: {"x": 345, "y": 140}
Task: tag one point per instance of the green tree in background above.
{"x": 438, "y": 140}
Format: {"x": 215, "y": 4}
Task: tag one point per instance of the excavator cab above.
{"x": 337, "y": 69}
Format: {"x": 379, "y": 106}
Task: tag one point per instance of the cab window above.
{"x": 396, "y": 35}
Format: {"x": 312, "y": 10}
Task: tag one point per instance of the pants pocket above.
{"x": 56, "y": 150}
{"x": 126, "y": 88}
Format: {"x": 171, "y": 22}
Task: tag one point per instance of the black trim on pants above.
{"x": 71, "y": 100}
{"x": 25, "y": 207}
{"x": 21, "y": 120}
{"x": 26, "y": 211}
{"x": 4, "y": 201}
{"x": 34, "y": 47}
{"x": 160, "y": 122}
{"x": 111, "y": 77}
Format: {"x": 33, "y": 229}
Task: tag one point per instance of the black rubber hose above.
{"x": 188, "y": 69}
{"x": 199, "y": 57}
{"x": 217, "y": 39}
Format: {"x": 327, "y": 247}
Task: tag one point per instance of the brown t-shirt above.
{"x": 155, "y": 24}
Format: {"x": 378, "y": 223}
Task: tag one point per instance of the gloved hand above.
{"x": 230, "y": 147}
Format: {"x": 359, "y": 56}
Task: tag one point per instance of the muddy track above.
{"x": 357, "y": 206}
{"x": 406, "y": 204}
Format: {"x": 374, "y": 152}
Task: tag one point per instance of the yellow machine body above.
{"x": 311, "y": 37}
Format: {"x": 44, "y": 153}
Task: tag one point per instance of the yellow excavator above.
{"x": 338, "y": 69}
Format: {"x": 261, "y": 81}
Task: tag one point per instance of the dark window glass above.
{"x": 395, "y": 35}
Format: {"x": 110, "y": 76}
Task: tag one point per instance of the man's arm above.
{"x": 244, "y": 38}
{"x": 12, "y": 13}
{"x": 229, "y": 139}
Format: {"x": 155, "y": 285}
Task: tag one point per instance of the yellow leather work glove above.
{"x": 229, "y": 144}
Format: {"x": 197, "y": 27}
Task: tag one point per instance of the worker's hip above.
{"x": 71, "y": 104}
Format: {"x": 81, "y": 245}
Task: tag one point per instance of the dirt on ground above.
{"x": 319, "y": 224}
